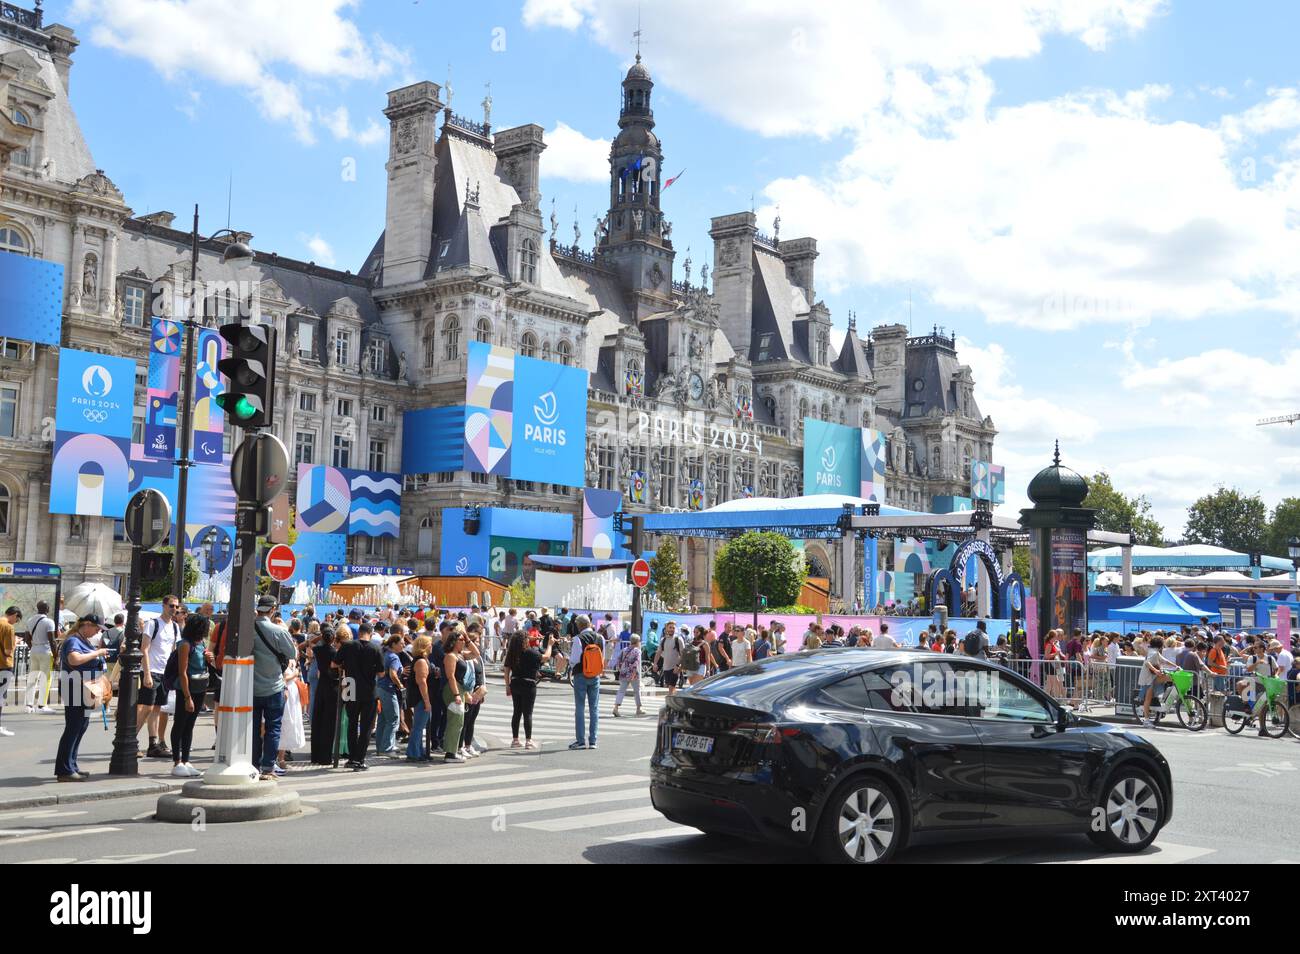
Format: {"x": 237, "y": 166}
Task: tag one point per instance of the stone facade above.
{"x": 704, "y": 378}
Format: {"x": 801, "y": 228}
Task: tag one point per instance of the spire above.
{"x": 1056, "y": 457}
{"x": 853, "y": 323}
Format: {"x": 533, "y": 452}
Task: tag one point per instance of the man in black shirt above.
{"x": 362, "y": 661}
{"x": 438, "y": 715}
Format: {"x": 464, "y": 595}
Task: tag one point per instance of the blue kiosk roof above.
{"x": 577, "y": 562}
{"x": 806, "y": 518}
{"x": 1162, "y": 606}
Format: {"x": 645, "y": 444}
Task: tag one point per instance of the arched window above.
{"x": 11, "y": 240}
{"x": 528, "y": 262}
{"x": 826, "y": 412}
{"x": 4, "y": 510}
{"x": 528, "y": 345}
{"x": 965, "y": 461}
{"x": 564, "y": 353}
{"x": 451, "y": 338}
{"x": 430, "y": 346}
{"x": 803, "y": 412}
{"x": 483, "y": 331}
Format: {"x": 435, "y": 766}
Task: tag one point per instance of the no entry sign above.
{"x": 640, "y": 573}
{"x": 280, "y": 563}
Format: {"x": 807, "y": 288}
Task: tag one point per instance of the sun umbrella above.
{"x": 96, "y": 598}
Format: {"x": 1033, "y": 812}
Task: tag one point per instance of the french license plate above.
{"x": 693, "y": 743}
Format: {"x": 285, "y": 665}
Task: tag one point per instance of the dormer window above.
{"x": 528, "y": 262}
{"x": 23, "y": 157}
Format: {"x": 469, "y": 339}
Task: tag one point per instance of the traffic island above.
{"x": 255, "y": 801}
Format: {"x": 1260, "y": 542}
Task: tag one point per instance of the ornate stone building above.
{"x": 694, "y": 377}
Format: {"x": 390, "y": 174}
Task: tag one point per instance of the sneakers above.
{"x": 577, "y": 745}
{"x": 1145, "y": 722}
{"x": 180, "y": 770}
{"x": 478, "y": 747}
{"x": 7, "y": 733}
{"x": 74, "y": 777}
{"x": 516, "y": 744}
{"x": 194, "y": 773}
{"x": 591, "y": 745}
{"x": 530, "y": 744}
{"x": 452, "y": 758}
{"x": 640, "y": 712}
{"x": 31, "y": 708}
{"x": 279, "y": 770}
{"x": 43, "y": 710}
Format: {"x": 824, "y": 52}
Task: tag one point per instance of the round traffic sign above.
{"x": 640, "y": 573}
{"x": 148, "y": 518}
{"x": 262, "y": 478}
{"x": 280, "y": 563}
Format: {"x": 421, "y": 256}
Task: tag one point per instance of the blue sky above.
{"x": 1101, "y": 196}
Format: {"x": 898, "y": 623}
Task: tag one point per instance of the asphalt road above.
{"x": 1231, "y": 799}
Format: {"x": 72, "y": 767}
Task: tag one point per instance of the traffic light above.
{"x": 762, "y": 601}
{"x": 249, "y": 368}
{"x": 628, "y": 532}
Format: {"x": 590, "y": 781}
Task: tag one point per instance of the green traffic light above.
{"x": 241, "y": 410}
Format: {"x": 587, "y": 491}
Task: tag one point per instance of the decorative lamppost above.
{"x": 1293, "y": 551}
{"x": 1058, "y": 526}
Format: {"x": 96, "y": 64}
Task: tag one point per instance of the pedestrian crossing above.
{"x": 523, "y": 793}
{"x": 553, "y": 720}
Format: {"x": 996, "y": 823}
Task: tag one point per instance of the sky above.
{"x": 1100, "y": 197}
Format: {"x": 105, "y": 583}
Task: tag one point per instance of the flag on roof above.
{"x": 673, "y": 179}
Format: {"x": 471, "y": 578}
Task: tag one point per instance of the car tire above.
{"x": 1132, "y": 806}
{"x": 863, "y": 823}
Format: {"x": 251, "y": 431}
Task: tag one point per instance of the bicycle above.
{"x": 1192, "y": 712}
{"x": 1276, "y": 717}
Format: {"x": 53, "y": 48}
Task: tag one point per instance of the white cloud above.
{"x": 260, "y": 46}
{"x": 339, "y": 122}
{"x": 571, "y": 155}
{"x": 321, "y": 251}
{"x": 826, "y": 67}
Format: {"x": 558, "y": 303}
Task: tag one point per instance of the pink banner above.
{"x": 1284, "y": 626}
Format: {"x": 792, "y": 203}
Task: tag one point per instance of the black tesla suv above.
{"x": 859, "y": 752}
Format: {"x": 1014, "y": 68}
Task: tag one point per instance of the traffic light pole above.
{"x": 233, "y": 764}
{"x": 186, "y": 412}
{"x": 638, "y": 523}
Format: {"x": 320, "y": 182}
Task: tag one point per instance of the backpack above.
{"x": 691, "y": 657}
{"x": 170, "y": 672}
{"x": 593, "y": 659}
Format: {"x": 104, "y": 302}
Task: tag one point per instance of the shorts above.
{"x": 152, "y": 696}
{"x": 670, "y": 677}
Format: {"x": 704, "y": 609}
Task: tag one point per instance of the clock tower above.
{"x": 634, "y": 236}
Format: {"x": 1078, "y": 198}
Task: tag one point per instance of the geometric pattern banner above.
{"x": 873, "y": 465}
{"x": 164, "y": 385}
{"x": 31, "y": 299}
{"x": 433, "y": 440}
{"x": 910, "y": 556}
{"x": 598, "y": 537}
{"x": 998, "y": 483}
{"x": 340, "y": 500}
{"x": 981, "y": 480}
{"x": 209, "y": 419}
{"x": 89, "y": 474}
{"x": 489, "y": 399}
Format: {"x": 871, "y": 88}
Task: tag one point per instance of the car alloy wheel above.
{"x": 866, "y": 825}
{"x": 1132, "y": 811}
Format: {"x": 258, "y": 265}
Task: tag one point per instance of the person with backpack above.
{"x": 695, "y": 657}
{"x": 668, "y": 656}
{"x": 187, "y": 673}
{"x": 587, "y": 659}
{"x": 42, "y": 645}
{"x": 157, "y": 641}
{"x": 272, "y": 652}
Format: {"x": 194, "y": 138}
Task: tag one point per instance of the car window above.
{"x": 851, "y": 693}
{"x": 949, "y": 690}
{"x": 1009, "y": 702}
{"x": 888, "y": 689}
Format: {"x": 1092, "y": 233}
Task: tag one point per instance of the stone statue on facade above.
{"x": 90, "y": 277}
{"x": 401, "y": 366}
{"x": 637, "y": 218}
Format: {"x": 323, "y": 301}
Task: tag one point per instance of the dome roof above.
{"x": 638, "y": 136}
{"x": 1057, "y": 485}
{"x": 638, "y": 72}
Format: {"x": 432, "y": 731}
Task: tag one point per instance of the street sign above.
{"x": 148, "y": 519}
{"x": 280, "y": 563}
{"x": 270, "y": 469}
{"x": 640, "y": 573}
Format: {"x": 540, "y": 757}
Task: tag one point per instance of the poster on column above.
{"x": 164, "y": 385}
{"x": 92, "y": 443}
{"x": 209, "y": 419}
{"x": 1069, "y": 563}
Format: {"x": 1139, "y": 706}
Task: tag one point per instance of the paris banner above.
{"x": 164, "y": 385}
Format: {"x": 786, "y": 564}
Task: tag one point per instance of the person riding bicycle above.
{"x": 1259, "y": 664}
{"x": 1152, "y": 675}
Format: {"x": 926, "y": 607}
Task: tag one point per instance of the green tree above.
{"x": 1118, "y": 512}
{"x": 769, "y": 557}
{"x": 1020, "y": 564}
{"x": 666, "y": 578}
{"x": 1228, "y": 518}
{"x": 523, "y": 592}
{"x": 1284, "y": 525}
{"x": 152, "y": 591}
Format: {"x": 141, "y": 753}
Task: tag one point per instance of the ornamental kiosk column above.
{"x": 1058, "y": 526}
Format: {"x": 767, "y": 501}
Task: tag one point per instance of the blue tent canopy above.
{"x": 576, "y": 562}
{"x": 1162, "y": 606}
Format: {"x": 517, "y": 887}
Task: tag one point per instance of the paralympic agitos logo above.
{"x": 544, "y": 431}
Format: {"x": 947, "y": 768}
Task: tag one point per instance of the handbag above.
{"x": 98, "y": 692}
{"x": 478, "y": 695}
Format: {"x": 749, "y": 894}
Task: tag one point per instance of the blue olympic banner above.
{"x": 31, "y": 299}
{"x": 832, "y": 458}
{"x": 433, "y": 440}
{"x": 550, "y": 423}
{"x": 96, "y": 394}
{"x": 209, "y": 419}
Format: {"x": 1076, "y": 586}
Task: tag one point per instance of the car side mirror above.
{"x": 1064, "y": 719}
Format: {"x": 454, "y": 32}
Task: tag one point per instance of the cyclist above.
{"x": 1152, "y": 675}
{"x": 1258, "y": 664}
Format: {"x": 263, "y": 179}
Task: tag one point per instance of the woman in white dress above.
{"x": 293, "y": 735}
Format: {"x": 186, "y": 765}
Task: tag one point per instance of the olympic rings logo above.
{"x": 95, "y": 417}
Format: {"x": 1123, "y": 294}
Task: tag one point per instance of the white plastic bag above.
{"x": 170, "y": 706}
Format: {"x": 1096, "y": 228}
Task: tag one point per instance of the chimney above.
{"x": 519, "y": 155}
{"x": 799, "y": 255}
{"x": 63, "y": 43}
{"x": 408, "y": 224}
{"x": 890, "y": 368}
{"x": 733, "y": 277}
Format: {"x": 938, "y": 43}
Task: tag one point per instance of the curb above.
{"x": 87, "y": 795}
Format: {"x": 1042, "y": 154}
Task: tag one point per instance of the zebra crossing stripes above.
{"x": 640, "y": 792}
{"x": 460, "y": 798}
{"x": 576, "y": 822}
{"x": 444, "y": 780}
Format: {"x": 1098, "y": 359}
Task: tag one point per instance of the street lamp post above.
{"x": 239, "y": 253}
{"x": 1293, "y": 551}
